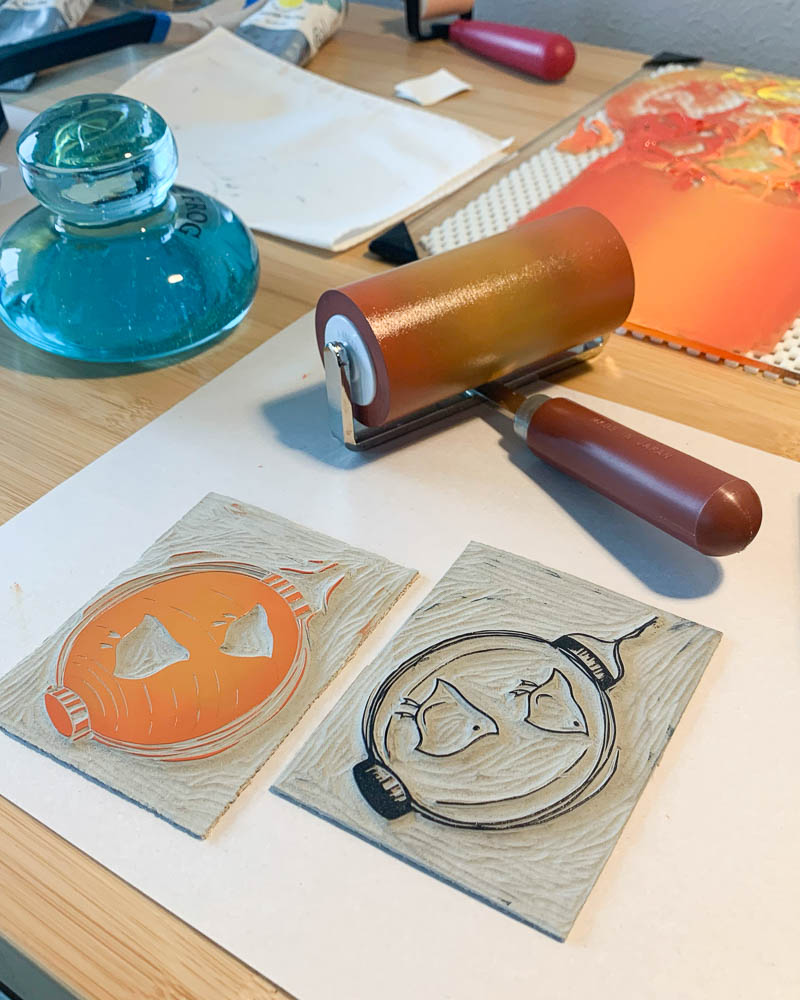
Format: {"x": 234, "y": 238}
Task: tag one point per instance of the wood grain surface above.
{"x": 93, "y": 934}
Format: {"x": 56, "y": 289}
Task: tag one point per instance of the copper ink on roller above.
{"x": 445, "y": 324}
{"x": 428, "y": 339}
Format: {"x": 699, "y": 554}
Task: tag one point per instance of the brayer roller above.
{"x": 429, "y": 338}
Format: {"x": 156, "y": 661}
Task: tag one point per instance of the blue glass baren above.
{"x": 117, "y": 263}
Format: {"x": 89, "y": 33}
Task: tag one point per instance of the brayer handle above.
{"x": 539, "y": 53}
{"x": 712, "y": 511}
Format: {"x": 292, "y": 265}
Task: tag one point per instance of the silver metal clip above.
{"x": 337, "y": 380}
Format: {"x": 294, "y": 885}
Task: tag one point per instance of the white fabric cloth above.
{"x": 432, "y": 88}
{"x": 299, "y": 156}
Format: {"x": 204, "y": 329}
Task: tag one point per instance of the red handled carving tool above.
{"x": 543, "y": 54}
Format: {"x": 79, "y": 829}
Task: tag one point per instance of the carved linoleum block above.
{"x": 501, "y": 740}
{"x": 174, "y": 684}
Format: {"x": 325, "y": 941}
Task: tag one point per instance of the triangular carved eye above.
{"x": 249, "y": 635}
{"x": 147, "y": 649}
{"x": 552, "y": 705}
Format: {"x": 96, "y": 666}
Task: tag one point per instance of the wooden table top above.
{"x": 68, "y": 926}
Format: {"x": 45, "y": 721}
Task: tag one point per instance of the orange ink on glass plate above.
{"x": 583, "y": 138}
{"x": 705, "y": 190}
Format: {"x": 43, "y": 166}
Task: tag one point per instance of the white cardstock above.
{"x": 699, "y": 897}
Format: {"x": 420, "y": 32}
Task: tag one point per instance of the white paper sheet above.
{"x": 297, "y": 155}
{"x": 699, "y": 898}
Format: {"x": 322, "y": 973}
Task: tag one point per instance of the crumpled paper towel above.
{"x": 432, "y": 88}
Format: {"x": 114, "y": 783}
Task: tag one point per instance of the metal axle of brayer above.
{"x": 514, "y": 404}
{"x": 700, "y": 505}
{"x": 356, "y": 436}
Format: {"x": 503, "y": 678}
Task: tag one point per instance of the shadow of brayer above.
{"x": 665, "y": 565}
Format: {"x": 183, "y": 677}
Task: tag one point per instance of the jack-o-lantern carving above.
{"x": 182, "y": 664}
{"x": 493, "y": 729}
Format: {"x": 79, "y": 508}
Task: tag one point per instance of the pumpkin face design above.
{"x": 182, "y": 664}
{"x": 493, "y": 729}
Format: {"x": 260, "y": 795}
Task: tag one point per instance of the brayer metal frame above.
{"x": 356, "y": 436}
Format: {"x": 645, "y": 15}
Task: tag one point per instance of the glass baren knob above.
{"x": 117, "y": 263}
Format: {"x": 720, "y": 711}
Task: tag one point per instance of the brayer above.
{"x": 420, "y": 342}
